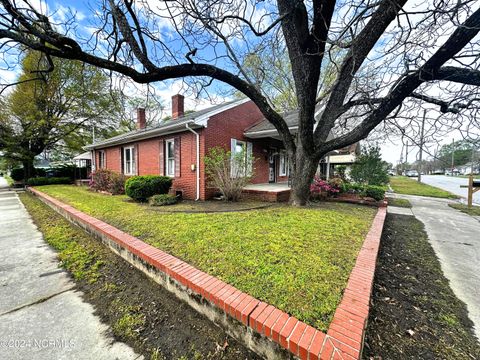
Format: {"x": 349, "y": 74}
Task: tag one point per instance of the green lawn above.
{"x": 405, "y": 185}
{"x": 399, "y": 202}
{"x": 297, "y": 259}
{"x": 474, "y": 210}
{"x": 9, "y": 180}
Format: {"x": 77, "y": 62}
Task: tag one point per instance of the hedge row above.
{"x": 38, "y": 181}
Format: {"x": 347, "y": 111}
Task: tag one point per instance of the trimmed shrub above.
{"x": 140, "y": 188}
{"x": 39, "y": 181}
{"x": 352, "y": 188}
{"x": 109, "y": 181}
{"x": 376, "y": 192}
{"x": 17, "y": 174}
{"x": 162, "y": 200}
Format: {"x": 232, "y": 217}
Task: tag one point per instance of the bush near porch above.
{"x": 336, "y": 187}
{"x": 297, "y": 259}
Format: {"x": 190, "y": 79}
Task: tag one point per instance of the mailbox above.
{"x": 476, "y": 183}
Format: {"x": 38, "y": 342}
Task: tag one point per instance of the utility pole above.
{"x": 406, "y": 156}
{"x": 473, "y": 158}
{"x": 453, "y": 155}
{"x": 401, "y": 166}
{"x": 421, "y": 147}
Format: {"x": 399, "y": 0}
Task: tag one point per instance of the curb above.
{"x": 263, "y": 328}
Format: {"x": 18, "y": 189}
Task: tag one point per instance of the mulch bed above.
{"x": 415, "y": 314}
{"x": 172, "y": 329}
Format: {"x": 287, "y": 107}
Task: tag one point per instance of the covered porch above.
{"x": 270, "y": 192}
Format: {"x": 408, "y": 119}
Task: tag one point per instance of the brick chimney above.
{"x": 141, "y": 121}
{"x": 177, "y": 106}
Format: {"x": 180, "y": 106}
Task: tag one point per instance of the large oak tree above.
{"x": 385, "y": 53}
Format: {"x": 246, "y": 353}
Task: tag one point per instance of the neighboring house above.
{"x": 467, "y": 169}
{"x": 345, "y": 156}
{"x": 177, "y": 147}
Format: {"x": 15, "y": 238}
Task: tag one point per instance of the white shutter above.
{"x": 249, "y": 158}
{"x": 233, "y": 146}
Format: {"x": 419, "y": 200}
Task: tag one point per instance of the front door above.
{"x": 271, "y": 168}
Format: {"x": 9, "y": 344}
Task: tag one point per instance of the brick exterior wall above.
{"x": 221, "y": 128}
{"x": 148, "y": 163}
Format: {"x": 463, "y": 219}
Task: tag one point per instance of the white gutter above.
{"x": 197, "y": 167}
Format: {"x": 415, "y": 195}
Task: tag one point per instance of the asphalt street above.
{"x": 451, "y": 184}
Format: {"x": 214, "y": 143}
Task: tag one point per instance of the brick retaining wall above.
{"x": 263, "y": 328}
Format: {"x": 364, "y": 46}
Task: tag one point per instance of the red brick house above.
{"x": 177, "y": 147}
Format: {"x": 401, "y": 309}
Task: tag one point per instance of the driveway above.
{"x": 42, "y": 316}
{"x": 452, "y": 184}
{"x": 455, "y": 239}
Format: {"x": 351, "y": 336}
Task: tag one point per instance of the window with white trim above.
{"x": 241, "y": 150}
{"x": 129, "y": 161}
{"x": 170, "y": 157}
{"x": 101, "y": 159}
{"x": 283, "y": 168}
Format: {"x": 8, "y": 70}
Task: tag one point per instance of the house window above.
{"x": 170, "y": 157}
{"x": 129, "y": 161}
{"x": 241, "y": 150}
{"x": 101, "y": 159}
{"x": 283, "y": 166}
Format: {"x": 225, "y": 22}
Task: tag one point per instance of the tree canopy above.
{"x": 54, "y": 110}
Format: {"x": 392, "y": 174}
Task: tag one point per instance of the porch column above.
{"x": 328, "y": 167}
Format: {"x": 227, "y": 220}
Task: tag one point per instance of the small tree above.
{"x": 370, "y": 168}
{"x": 229, "y": 173}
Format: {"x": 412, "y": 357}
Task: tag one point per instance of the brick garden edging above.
{"x": 263, "y": 328}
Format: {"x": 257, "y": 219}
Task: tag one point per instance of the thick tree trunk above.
{"x": 29, "y": 170}
{"x": 302, "y": 176}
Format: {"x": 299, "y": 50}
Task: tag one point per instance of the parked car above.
{"x": 449, "y": 172}
{"x": 412, "y": 173}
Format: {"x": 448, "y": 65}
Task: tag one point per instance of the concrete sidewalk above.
{"x": 41, "y": 315}
{"x": 455, "y": 238}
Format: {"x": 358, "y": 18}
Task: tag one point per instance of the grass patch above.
{"x": 405, "y": 185}
{"x": 473, "y": 211}
{"x": 10, "y": 181}
{"x": 404, "y": 203}
{"x": 415, "y": 314}
{"x": 75, "y": 256}
{"x": 297, "y": 259}
{"x": 129, "y": 322}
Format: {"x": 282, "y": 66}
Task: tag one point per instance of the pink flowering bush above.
{"x": 320, "y": 186}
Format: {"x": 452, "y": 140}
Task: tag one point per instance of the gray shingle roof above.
{"x": 166, "y": 127}
{"x": 290, "y": 117}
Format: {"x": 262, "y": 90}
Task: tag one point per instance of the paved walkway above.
{"x": 455, "y": 237}
{"x": 41, "y": 315}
